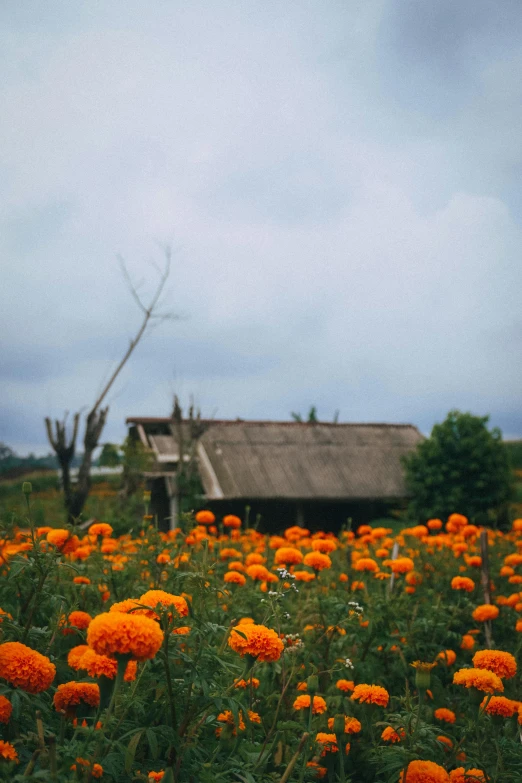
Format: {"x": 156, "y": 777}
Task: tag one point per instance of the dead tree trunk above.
{"x": 93, "y": 430}
{"x": 64, "y": 451}
{"x": 76, "y": 496}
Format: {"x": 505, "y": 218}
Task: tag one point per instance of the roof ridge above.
{"x": 258, "y": 422}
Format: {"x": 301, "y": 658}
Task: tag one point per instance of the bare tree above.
{"x": 76, "y": 494}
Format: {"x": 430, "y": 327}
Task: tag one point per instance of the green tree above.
{"x": 136, "y": 461}
{"x": 110, "y": 456}
{"x": 462, "y": 467}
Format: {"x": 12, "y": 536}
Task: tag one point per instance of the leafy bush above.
{"x": 462, "y": 467}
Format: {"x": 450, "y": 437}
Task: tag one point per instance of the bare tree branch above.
{"x": 148, "y": 313}
{"x": 97, "y": 416}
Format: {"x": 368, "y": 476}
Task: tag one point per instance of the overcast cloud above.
{"x": 339, "y": 182}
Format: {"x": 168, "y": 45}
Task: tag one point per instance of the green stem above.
{"x": 340, "y": 743}
{"x": 170, "y": 691}
{"x": 37, "y": 592}
{"x": 122, "y": 665}
{"x": 308, "y": 732}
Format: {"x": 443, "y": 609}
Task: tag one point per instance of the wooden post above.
{"x": 484, "y": 578}
{"x": 391, "y": 583}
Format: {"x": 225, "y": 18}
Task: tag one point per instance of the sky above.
{"x": 339, "y": 184}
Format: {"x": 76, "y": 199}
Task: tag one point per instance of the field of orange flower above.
{"x": 214, "y": 653}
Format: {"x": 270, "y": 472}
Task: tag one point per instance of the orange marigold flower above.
{"x": 502, "y": 663}
{"x": 228, "y": 552}
{"x": 485, "y": 612}
{"x": 434, "y": 524}
{"x": 58, "y": 537}
{"x": 317, "y": 561}
{"x": 234, "y": 577}
{"x": 253, "y": 681}
{"x": 448, "y": 716}
{"x": 8, "y": 752}
{"x": 481, "y": 679}
{"x": 96, "y": 771}
{"x": 288, "y": 555}
{"x": 468, "y": 642}
{"x": 304, "y": 576}
{"x": 319, "y": 771}
{"x": 513, "y": 560}
{"x": 80, "y": 620}
{"x": 401, "y": 565}
{"x": 6, "y": 709}
{"x": 471, "y": 776}
{"x": 71, "y": 694}
{"x": 371, "y": 694}
{"x": 324, "y": 545}
{"x": 351, "y": 725}
{"x": 228, "y": 717}
{"x": 390, "y": 735}
{"x": 501, "y": 706}
{"x": 75, "y": 656}
{"x": 205, "y": 518}
{"x": 255, "y": 558}
{"x": 424, "y": 772}
{"x": 327, "y": 742}
{"x": 25, "y": 668}
{"x": 102, "y": 666}
{"x": 456, "y": 522}
{"x": 115, "y": 634}
{"x": 154, "y": 597}
{"x": 261, "y": 642}
{"x": 345, "y": 685}
{"x": 258, "y": 571}
{"x": 366, "y": 564}
{"x": 296, "y": 532}
{"x": 183, "y": 630}
{"x": 303, "y": 703}
{"x": 518, "y": 626}
{"x": 156, "y": 776}
{"x": 445, "y": 741}
{"x": 125, "y": 606}
{"x": 448, "y": 656}
{"x": 100, "y": 529}
{"x": 462, "y": 583}
{"x": 232, "y": 521}
{"x": 81, "y": 580}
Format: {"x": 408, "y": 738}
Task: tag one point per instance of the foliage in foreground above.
{"x": 213, "y": 654}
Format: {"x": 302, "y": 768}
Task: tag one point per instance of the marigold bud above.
{"x": 312, "y": 684}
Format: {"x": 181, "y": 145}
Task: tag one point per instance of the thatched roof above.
{"x": 290, "y": 460}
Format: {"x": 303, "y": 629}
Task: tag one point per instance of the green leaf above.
{"x": 131, "y": 750}
{"x": 153, "y": 743}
